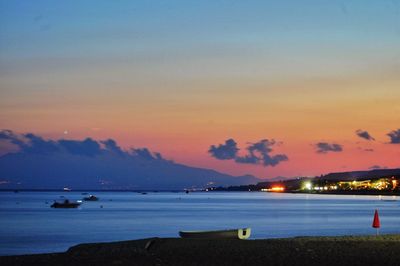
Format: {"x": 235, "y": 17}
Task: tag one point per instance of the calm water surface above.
{"x": 29, "y": 225}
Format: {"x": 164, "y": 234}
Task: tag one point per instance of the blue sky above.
{"x": 71, "y": 28}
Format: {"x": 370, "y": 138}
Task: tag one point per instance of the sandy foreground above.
{"x": 347, "y": 250}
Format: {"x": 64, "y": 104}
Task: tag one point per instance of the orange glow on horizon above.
{"x": 274, "y": 189}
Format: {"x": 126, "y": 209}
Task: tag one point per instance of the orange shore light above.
{"x": 274, "y": 189}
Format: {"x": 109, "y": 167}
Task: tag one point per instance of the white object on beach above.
{"x": 231, "y": 233}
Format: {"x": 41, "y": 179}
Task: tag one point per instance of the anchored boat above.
{"x": 66, "y": 204}
{"x": 91, "y": 198}
{"x": 231, "y": 233}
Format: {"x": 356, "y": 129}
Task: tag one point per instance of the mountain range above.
{"x": 106, "y": 171}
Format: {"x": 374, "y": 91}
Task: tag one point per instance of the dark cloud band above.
{"x": 33, "y": 144}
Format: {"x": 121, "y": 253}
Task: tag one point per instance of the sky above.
{"x": 269, "y": 88}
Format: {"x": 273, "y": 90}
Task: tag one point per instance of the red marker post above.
{"x": 376, "y": 223}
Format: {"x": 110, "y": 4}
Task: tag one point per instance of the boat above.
{"x": 243, "y": 233}
{"x": 91, "y": 198}
{"x": 66, "y": 204}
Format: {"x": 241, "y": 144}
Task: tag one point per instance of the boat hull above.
{"x": 91, "y": 198}
{"x": 65, "y": 205}
{"x": 231, "y": 234}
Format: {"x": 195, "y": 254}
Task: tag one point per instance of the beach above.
{"x": 345, "y": 250}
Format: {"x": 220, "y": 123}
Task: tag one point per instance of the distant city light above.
{"x": 274, "y": 189}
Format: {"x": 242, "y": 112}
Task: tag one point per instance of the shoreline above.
{"x": 352, "y": 193}
{"x": 341, "y": 250}
{"x": 337, "y": 192}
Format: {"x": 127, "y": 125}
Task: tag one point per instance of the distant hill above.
{"x": 40, "y": 163}
{"x": 105, "y": 171}
{"x": 361, "y": 174}
{"x": 36, "y": 171}
{"x": 278, "y": 178}
{"x": 292, "y": 184}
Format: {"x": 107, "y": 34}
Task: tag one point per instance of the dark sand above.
{"x": 365, "y": 250}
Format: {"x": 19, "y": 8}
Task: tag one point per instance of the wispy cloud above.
{"x": 364, "y": 134}
{"x": 324, "y": 147}
{"x": 374, "y": 167}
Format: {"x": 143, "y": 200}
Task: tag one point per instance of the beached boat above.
{"x": 91, "y": 198}
{"x": 231, "y": 233}
{"x": 66, "y": 204}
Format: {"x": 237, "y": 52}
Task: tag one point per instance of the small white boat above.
{"x": 231, "y": 233}
{"x": 91, "y": 198}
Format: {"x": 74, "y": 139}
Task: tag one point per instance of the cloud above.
{"x": 374, "y": 167}
{"x": 394, "y": 136}
{"x": 32, "y": 144}
{"x": 8, "y": 135}
{"x": 112, "y": 146}
{"x": 227, "y": 151}
{"x": 364, "y": 134}
{"x": 249, "y": 159}
{"x": 257, "y": 153}
{"x": 87, "y": 147}
{"x": 36, "y": 144}
{"x": 365, "y": 149}
{"x": 146, "y": 154}
{"x": 274, "y": 160}
{"x": 324, "y": 147}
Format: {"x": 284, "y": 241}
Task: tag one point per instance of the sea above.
{"x": 29, "y": 225}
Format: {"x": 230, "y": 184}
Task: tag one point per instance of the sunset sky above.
{"x": 180, "y": 76}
